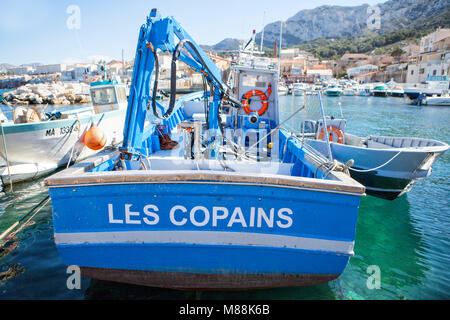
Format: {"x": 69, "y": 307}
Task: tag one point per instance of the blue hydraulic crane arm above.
{"x": 159, "y": 34}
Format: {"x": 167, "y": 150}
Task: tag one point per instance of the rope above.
{"x": 240, "y": 155}
{"x": 10, "y": 229}
{"x": 26, "y": 223}
{"x": 73, "y": 147}
{"x": 379, "y": 167}
{"x": 6, "y": 155}
{"x": 277, "y": 128}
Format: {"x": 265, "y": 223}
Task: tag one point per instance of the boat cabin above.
{"x": 108, "y": 95}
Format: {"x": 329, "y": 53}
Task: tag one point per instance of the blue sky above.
{"x": 36, "y": 30}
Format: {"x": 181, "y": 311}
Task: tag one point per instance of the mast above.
{"x": 262, "y": 36}
{"x": 279, "y": 51}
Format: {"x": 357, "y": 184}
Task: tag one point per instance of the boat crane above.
{"x": 159, "y": 34}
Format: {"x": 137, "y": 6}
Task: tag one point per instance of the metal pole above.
{"x": 262, "y": 36}
{"x": 325, "y": 128}
{"x": 6, "y": 155}
{"x": 279, "y": 53}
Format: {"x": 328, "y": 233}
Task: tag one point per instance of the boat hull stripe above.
{"x": 216, "y": 238}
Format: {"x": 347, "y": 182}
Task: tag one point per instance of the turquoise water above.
{"x": 408, "y": 238}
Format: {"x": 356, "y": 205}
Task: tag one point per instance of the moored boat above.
{"x": 212, "y": 196}
{"x": 436, "y": 101}
{"x": 299, "y": 89}
{"x": 33, "y": 144}
{"x": 283, "y": 90}
{"x": 395, "y": 90}
{"x": 380, "y": 90}
{"x": 363, "y": 90}
{"x": 433, "y": 86}
{"x": 333, "y": 91}
{"x": 349, "y": 91}
{"x": 387, "y": 166}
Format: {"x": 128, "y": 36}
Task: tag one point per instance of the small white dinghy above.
{"x": 443, "y": 100}
{"x": 387, "y": 166}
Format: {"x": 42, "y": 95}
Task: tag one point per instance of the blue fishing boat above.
{"x": 214, "y": 194}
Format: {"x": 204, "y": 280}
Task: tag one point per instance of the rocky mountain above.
{"x": 226, "y": 44}
{"x": 5, "y": 66}
{"x": 339, "y": 21}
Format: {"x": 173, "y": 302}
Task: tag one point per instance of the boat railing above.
{"x": 45, "y": 113}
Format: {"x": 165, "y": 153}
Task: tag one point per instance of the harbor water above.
{"x": 406, "y": 240}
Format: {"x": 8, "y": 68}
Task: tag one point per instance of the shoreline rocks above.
{"x": 53, "y": 93}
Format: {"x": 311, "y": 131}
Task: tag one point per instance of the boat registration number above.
{"x": 61, "y": 131}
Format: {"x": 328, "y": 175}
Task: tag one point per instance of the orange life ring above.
{"x": 332, "y": 130}
{"x": 264, "y": 100}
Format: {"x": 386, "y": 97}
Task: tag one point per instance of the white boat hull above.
{"x": 437, "y": 101}
{"x": 34, "y": 149}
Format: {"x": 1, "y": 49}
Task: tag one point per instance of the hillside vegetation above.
{"x": 334, "y": 48}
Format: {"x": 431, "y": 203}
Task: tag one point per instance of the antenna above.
{"x": 262, "y": 36}
{"x": 279, "y": 53}
{"x": 253, "y": 40}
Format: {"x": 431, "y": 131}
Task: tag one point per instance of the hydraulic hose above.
{"x": 173, "y": 79}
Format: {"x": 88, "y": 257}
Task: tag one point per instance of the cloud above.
{"x": 72, "y": 60}
{"x": 98, "y": 57}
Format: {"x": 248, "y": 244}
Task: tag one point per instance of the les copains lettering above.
{"x": 200, "y": 216}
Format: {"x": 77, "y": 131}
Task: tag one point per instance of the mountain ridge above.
{"x": 331, "y": 21}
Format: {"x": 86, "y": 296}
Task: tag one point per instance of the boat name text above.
{"x": 200, "y": 216}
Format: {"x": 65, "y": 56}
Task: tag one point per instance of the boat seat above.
{"x": 392, "y": 142}
{"x": 376, "y": 145}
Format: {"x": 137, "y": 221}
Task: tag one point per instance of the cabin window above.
{"x": 412, "y": 72}
{"x": 104, "y": 96}
{"x": 422, "y": 71}
{"x": 434, "y": 72}
{"x": 122, "y": 94}
{"x": 254, "y": 81}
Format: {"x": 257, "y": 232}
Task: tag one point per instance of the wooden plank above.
{"x": 342, "y": 183}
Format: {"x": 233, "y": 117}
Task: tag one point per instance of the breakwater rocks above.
{"x": 55, "y": 93}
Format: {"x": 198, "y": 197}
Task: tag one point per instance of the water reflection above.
{"x": 385, "y": 237}
{"x": 100, "y": 290}
{"x": 407, "y": 238}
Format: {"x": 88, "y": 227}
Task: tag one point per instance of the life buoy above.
{"x": 264, "y": 100}
{"x": 332, "y": 130}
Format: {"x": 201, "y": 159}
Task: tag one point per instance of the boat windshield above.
{"x": 103, "y": 96}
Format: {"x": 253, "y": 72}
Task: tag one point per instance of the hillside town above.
{"x": 409, "y": 64}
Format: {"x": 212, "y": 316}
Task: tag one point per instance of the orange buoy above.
{"x": 95, "y": 139}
